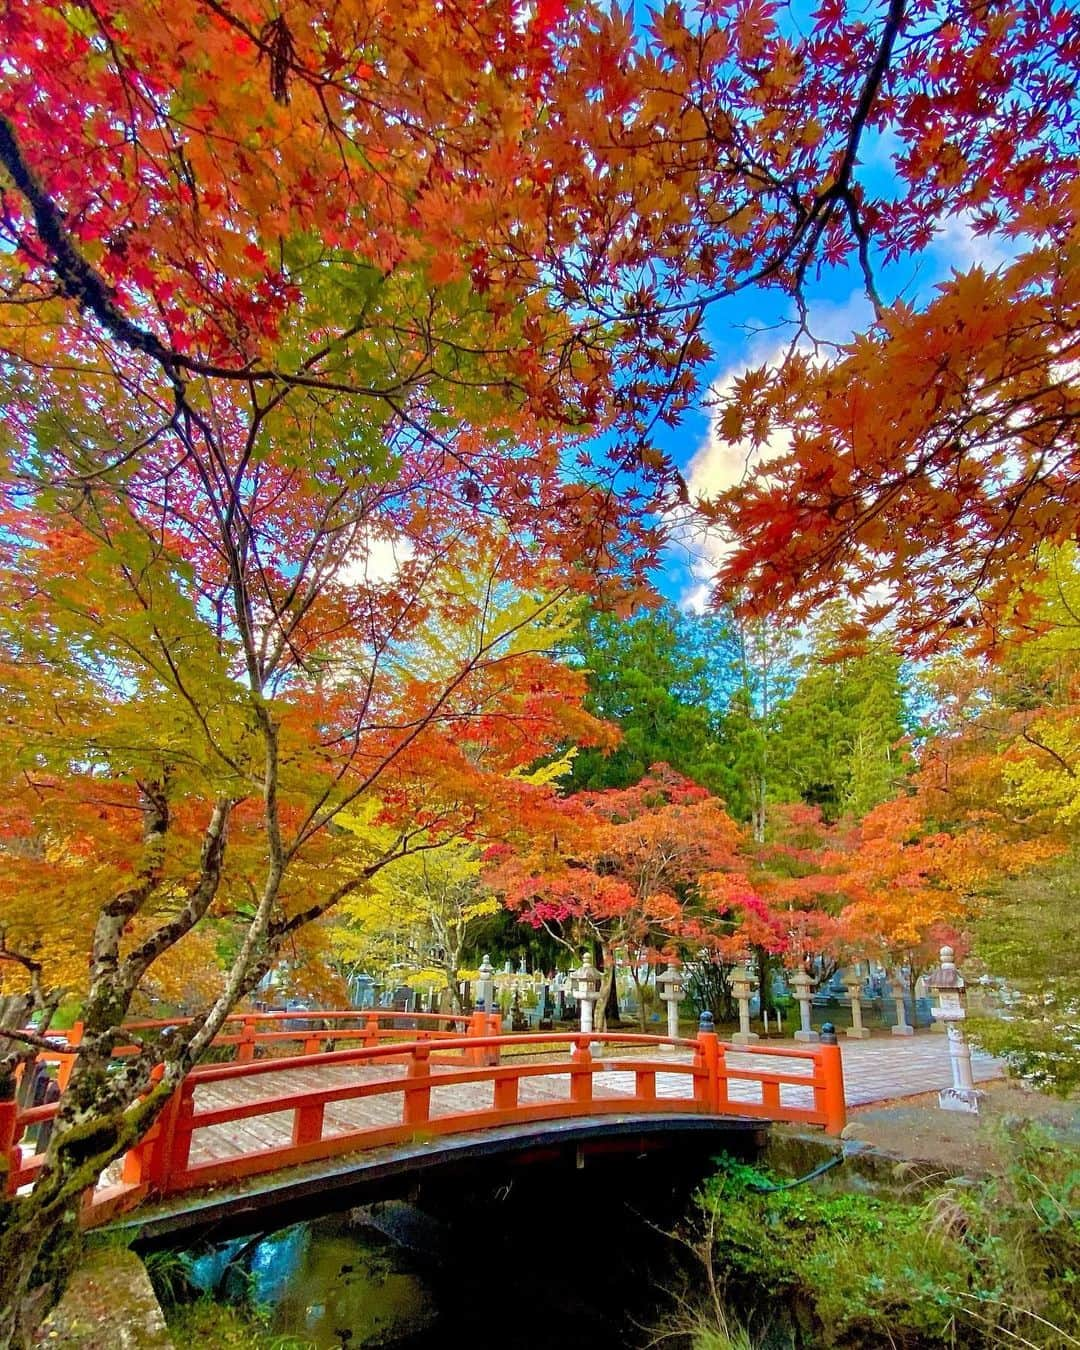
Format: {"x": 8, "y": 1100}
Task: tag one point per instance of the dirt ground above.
{"x": 915, "y": 1128}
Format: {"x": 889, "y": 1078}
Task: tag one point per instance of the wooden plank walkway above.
{"x": 873, "y": 1071}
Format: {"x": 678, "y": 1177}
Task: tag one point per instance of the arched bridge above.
{"x": 345, "y": 1082}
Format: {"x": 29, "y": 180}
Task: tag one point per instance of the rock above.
{"x": 109, "y": 1305}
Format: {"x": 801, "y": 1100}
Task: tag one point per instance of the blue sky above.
{"x": 751, "y": 327}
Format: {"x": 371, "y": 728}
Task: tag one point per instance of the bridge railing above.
{"x": 250, "y": 1035}
{"x": 399, "y": 1085}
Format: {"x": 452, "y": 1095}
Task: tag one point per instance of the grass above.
{"x": 973, "y": 1264}
{"x": 208, "y": 1325}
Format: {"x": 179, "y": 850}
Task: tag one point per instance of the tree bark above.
{"x": 40, "y": 1239}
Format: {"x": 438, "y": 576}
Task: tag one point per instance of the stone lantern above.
{"x": 802, "y": 985}
{"x": 672, "y": 988}
{"x": 485, "y": 985}
{"x": 902, "y": 1027}
{"x": 948, "y": 984}
{"x": 743, "y": 985}
{"x": 585, "y": 983}
{"x": 854, "y": 986}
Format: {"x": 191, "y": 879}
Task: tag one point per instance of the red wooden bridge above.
{"x": 291, "y": 1095}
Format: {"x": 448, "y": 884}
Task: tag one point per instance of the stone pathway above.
{"x": 879, "y": 1070}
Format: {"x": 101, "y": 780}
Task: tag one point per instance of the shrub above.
{"x": 974, "y": 1264}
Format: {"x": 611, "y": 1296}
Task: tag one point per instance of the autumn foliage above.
{"x": 620, "y": 869}
{"x": 335, "y": 345}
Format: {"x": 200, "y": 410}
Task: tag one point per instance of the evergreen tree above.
{"x": 761, "y": 677}
{"x": 662, "y": 678}
{"x": 837, "y": 741}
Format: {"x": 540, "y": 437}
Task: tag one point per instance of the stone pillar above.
{"x": 901, "y": 1028}
{"x": 585, "y": 1008}
{"x": 587, "y": 989}
{"x": 960, "y": 1058}
{"x": 853, "y": 984}
{"x": 948, "y": 984}
{"x": 673, "y": 1018}
{"x": 803, "y": 986}
{"x": 485, "y": 985}
{"x": 742, "y": 986}
{"x": 670, "y": 986}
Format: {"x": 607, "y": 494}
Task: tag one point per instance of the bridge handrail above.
{"x": 707, "y": 1073}
{"x": 303, "y": 1014}
{"x": 204, "y": 1073}
{"x": 160, "y": 1163}
{"x": 249, "y": 1038}
{"x": 73, "y": 1034}
{"x": 396, "y": 1050}
{"x": 202, "y": 1118}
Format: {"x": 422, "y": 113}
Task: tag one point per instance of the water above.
{"x": 535, "y": 1257}
{"x": 328, "y": 1282}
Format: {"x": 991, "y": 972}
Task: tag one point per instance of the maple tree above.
{"x": 419, "y": 913}
{"x": 1004, "y": 756}
{"x": 292, "y": 377}
{"x": 181, "y": 816}
{"x": 783, "y": 906}
{"x": 934, "y": 454}
{"x": 304, "y": 310}
{"x": 919, "y": 875}
{"x": 619, "y": 869}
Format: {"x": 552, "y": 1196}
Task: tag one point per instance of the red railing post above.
{"x": 581, "y": 1071}
{"x": 505, "y": 1097}
{"x": 183, "y": 1129}
{"x": 245, "y": 1050}
{"x": 723, "y": 1098}
{"x": 147, "y": 1162}
{"x": 645, "y": 1085}
{"x": 477, "y": 1026}
{"x": 371, "y": 1029}
{"x": 161, "y": 1157}
{"x": 483, "y": 1024}
{"x": 9, "y": 1154}
{"x": 707, "y": 1058}
{"x": 67, "y": 1062}
{"x": 416, "y": 1109}
{"x": 308, "y": 1123}
{"x": 832, "y": 1088}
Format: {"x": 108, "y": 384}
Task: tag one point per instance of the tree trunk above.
{"x": 612, "y": 1016}
{"x": 607, "y": 1004}
{"x": 40, "y": 1239}
{"x": 757, "y": 814}
{"x": 453, "y": 987}
{"x": 639, "y": 989}
{"x": 765, "y": 964}
{"x": 37, "y": 1254}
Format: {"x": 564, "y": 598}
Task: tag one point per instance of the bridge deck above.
{"x": 873, "y": 1071}
{"x": 261, "y": 1113}
{"x": 219, "y": 1142}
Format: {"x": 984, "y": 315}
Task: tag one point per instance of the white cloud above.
{"x": 695, "y": 599}
{"x": 957, "y": 247}
{"x": 719, "y": 464}
{"x": 374, "y": 559}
